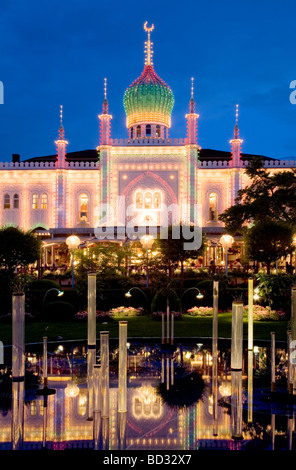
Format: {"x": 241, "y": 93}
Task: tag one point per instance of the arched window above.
{"x": 35, "y": 201}
{"x": 157, "y": 131}
{"x": 132, "y": 133}
{"x": 148, "y": 200}
{"x": 148, "y": 130}
{"x": 139, "y": 200}
{"x": 83, "y": 207}
{"x": 213, "y": 206}
{"x": 156, "y": 200}
{"x": 43, "y": 201}
{"x": 6, "y": 201}
{"x": 138, "y": 131}
{"x": 16, "y": 201}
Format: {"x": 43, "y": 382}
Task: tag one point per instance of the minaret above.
{"x": 192, "y": 119}
{"x": 105, "y": 120}
{"x": 61, "y": 178}
{"x": 236, "y": 142}
{"x": 61, "y": 144}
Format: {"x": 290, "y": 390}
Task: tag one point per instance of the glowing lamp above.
{"x": 73, "y": 242}
{"x": 72, "y": 390}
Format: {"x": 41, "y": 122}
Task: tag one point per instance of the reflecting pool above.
{"x": 173, "y": 401}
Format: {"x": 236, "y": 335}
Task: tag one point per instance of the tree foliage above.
{"x": 269, "y": 196}
{"x": 173, "y": 249}
{"x": 268, "y": 241}
{"x": 18, "y": 248}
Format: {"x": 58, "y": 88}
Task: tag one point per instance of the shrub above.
{"x": 126, "y": 312}
{"x": 265, "y": 313}
{"x": 58, "y": 311}
{"x": 100, "y": 316}
{"x": 201, "y": 311}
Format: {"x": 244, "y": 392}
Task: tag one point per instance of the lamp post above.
{"x": 198, "y": 296}
{"x": 147, "y": 243}
{"x": 73, "y": 243}
{"x": 128, "y": 294}
{"x": 226, "y": 242}
{"x": 59, "y": 293}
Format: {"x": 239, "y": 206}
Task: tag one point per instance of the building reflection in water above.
{"x": 149, "y": 422}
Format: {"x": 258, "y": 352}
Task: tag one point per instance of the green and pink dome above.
{"x": 148, "y": 100}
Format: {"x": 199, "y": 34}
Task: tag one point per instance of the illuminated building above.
{"x": 81, "y": 191}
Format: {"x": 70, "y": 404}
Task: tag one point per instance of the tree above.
{"x": 270, "y": 196}
{"x": 17, "y": 248}
{"x": 268, "y": 241}
{"x": 173, "y": 249}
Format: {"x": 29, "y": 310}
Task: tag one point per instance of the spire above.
{"x": 61, "y": 143}
{"x": 236, "y": 129}
{"x": 105, "y": 102}
{"x": 236, "y": 142}
{"x": 192, "y": 118}
{"x": 105, "y": 127}
{"x": 192, "y": 102}
{"x": 61, "y": 129}
{"x": 148, "y": 45}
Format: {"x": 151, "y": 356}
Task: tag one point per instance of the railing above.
{"x": 38, "y": 165}
{"x": 148, "y": 141}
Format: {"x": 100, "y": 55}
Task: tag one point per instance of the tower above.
{"x": 61, "y": 176}
{"x": 192, "y": 119}
{"x": 61, "y": 144}
{"x": 148, "y": 101}
{"x": 236, "y": 161}
{"x": 236, "y": 144}
{"x": 105, "y": 120}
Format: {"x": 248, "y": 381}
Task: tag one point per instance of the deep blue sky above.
{"x": 58, "y": 52}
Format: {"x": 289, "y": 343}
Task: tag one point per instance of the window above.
{"x": 6, "y": 201}
{"x": 16, "y": 201}
{"x": 44, "y": 201}
{"x": 132, "y": 133}
{"x": 157, "y": 131}
{"x": 139, "y": 201}
{"x": 156, "y": 201}
{"x": 83, "y": 207}
{"x": 35, "y": 201}
{"x": 213, "y": 213}
{"x": 148, "y": 200}
{"x": 138, "y": 131}
{"x": 148, "y": 130}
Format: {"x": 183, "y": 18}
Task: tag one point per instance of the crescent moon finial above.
{"x": 148, "y": 44}
{"x": 147, "y": 28}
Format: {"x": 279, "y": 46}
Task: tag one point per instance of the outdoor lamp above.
{"x": 59, "y": 293}
{"x": 226, "y": 242}
{"x": 72, "y": 390}
{"x": 256, "y": 294}
{"x": 199, "y": 295}
{"x": 73, "y": 243}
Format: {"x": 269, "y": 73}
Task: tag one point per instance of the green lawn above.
{"x": 145, "y": 327}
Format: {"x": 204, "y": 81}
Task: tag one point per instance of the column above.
{"x": 236, "y": 369}
{"x": 18, "y": 370}
{"x": 91, "y": 340}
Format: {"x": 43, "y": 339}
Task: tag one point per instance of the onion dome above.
{"x": 148, "y": 99}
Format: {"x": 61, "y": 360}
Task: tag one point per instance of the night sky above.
{"x": 58, "y": 52}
